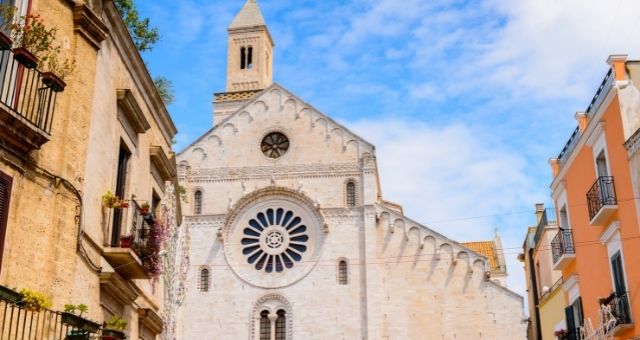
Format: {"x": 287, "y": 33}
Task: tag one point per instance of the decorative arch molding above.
{"x": 271, "y": 303}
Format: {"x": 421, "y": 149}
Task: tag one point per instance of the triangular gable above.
{"x": 301, "y": 108}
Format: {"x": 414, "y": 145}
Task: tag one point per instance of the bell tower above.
{"x": 250, "y": 51}
{"x": 249, "y": 60}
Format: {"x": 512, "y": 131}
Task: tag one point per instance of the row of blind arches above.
{"x": 204, "y": 277}
{"x": 350, "y": 197}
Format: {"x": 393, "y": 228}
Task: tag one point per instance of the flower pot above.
{"x": 53, "y": 82}
{"x": 126, "y": 241}
{"x": 78, "y": 335}
{"x": 10, "y": 295}
{"x": 111, "y": 334}
{"x": 5, "y": 42}
{"x": 76, "y": 321}
{"x": 24, "y": 57}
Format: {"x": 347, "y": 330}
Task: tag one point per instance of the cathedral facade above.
{"x": 291, "y": 237}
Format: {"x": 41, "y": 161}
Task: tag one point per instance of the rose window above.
{"x": 274, "y": 145}
{"x": 274, "y": 240}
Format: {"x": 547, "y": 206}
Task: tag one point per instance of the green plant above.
{"x": 60, "y": 68}
{"x": 144, "y": 36}
{"x": 34, "y": 300}
{"x": 109, "y": 199}
{"x": 116, "y": 323}
{"x": 82, "y": 308}
{"x": 165, "y": 89}
{"x": 33, "y": 35}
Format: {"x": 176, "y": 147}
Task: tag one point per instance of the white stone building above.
{"x": 291, "y": 237}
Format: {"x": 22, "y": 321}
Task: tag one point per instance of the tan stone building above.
{"x": 291, "y": 237}
{"x": 60, "y": 152}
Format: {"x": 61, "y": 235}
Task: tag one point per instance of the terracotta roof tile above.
{"x": 486, "y": 248}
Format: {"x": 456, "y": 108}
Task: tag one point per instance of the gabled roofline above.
{"x": 255, "y": 98}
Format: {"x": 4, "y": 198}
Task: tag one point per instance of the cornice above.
{"x": 132, "y": 110}
{"x": 260, "y": 172}
{"x": 165, "y": 165}
{"x": 89, "y": 25}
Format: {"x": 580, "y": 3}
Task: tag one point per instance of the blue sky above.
{"x": 464, "y": 100}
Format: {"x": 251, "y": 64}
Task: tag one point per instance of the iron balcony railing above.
{"x": 140, "y": 228}
{"x": 616, "y": 309}
{"x": 601, "y": 193}
{"x": 562, "y": 244}
{"x": 18, "y": 322}
{"x": 23, "y": 92}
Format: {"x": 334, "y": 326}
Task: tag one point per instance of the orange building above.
{"x": 595, "y": 190}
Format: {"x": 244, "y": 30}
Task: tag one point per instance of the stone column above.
{"x": 272, "y": 318}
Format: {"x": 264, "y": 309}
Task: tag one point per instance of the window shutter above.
{"x": 568, "y": 312}
{"x": 5, "y": 195}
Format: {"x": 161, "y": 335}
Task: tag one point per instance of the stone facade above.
{"x": 291, "y": 237}
{"x": 59, "y": 236}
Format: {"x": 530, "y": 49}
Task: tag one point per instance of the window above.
{"x": 619, "y": 283}
{"x": 601, "y": 164}
{"x": 121, "y": 181}
{"x": 351, "y": 194}
{"x": 197, "y": 202}
{"x": 5, "y": 195}
{"x": 265, "y": 326}
{"x": 203, "y": 280}
{"x": 575, "y": 319}
{"x": 281, "y": 325}
{"x": 342, "y": 273}
{"x": 246, "y": 57}
{"x": 564, "y": 218}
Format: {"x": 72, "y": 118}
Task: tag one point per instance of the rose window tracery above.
{"x": 274, "y": 145}
{"x": 274, "y": 240}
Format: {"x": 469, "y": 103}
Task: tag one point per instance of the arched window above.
{"x": 281, "y": 325}
{"x": 265, "y": 326}
{"x": 351, "y": 194}
{"x": 197, "y": 202}
{"x": 342, "y": 273}
{"x": 203, "y": 280}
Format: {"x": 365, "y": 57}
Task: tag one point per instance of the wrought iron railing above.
{"x": 562, "y": 244}
{"x": 23, "y": 92}
{"x": 601, "y": 193}
{"x": 140, "y": 228}
{"x": 18, "y": 322}
{"x": 615, "y": 309}
{"x": 606, "y": 83}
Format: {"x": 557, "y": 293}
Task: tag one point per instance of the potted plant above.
{"x": 34, "y": 301}
{"x": 114, "y": 328}
{"x": 7, "y": 14}
{"x": 109, "y": 199}
{"x": 56, "y": 71}
{"x": 126, "y": 241}
{"x": 144, "y": 209}
{"x": 10, "y": 295}
{"x": 560, "y": 334}
{"x": 72, "y": 319}
{"x": 32, "y": 39}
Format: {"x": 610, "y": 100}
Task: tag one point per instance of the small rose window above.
{"x": 274, "y": 240}
{"x": 274, "y": 145}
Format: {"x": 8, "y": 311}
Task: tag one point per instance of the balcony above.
{"x": 26, "y": 105}
{"x": 616, "y": 312}
{"x": 601, "y": 200}
{"x": 17, "y": 322}
{"x": 127, "y": 256}
{"x": 562, "y": 249}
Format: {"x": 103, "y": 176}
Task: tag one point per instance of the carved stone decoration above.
{"x": 266, "y": 224}
{"x": 89, "y": 25}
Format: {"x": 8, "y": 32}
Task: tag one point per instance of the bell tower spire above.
{"x": 250, "y": 54}
{"x": 249, "y": 61}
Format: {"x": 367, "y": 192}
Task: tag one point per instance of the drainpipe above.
{"x": 534, "y": 286}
